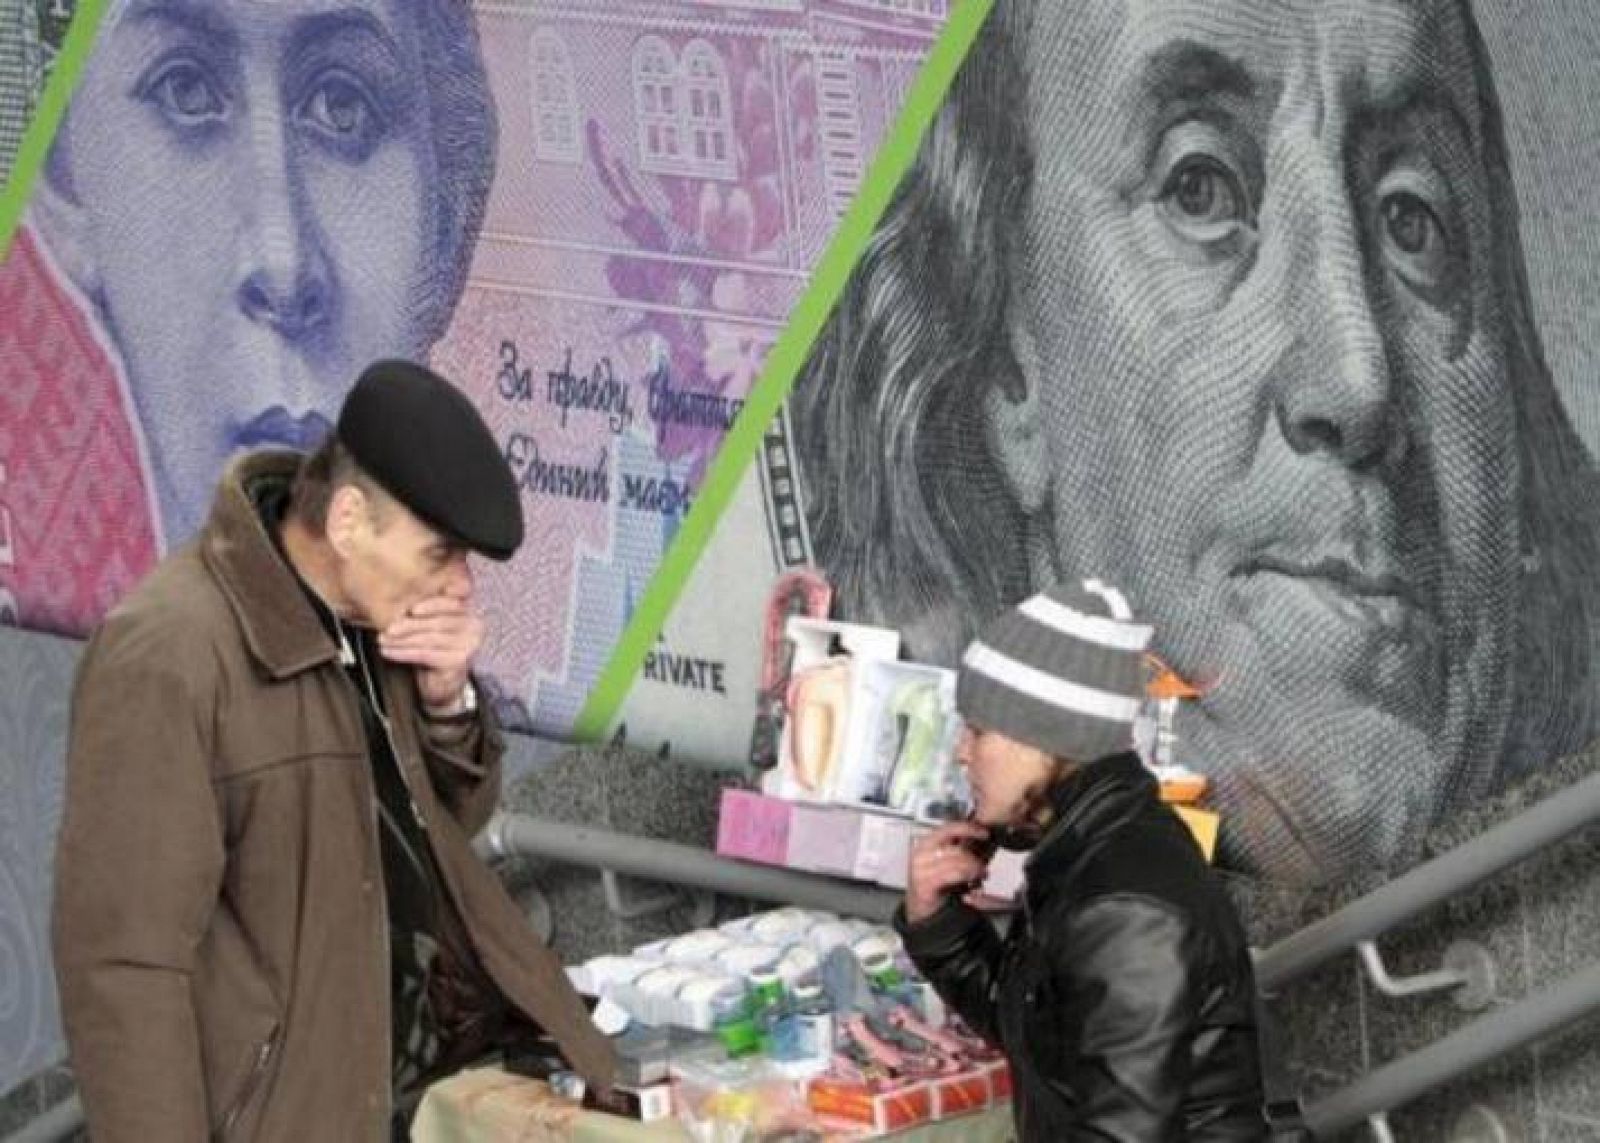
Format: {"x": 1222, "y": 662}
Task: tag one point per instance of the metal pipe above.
{"x": 519, "y": 835}
{"x": 55, "y": 1123}
{"x": 1471, "y": 1046}
{"x": 1430, "y": 883}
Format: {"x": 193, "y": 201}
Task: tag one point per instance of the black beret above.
{"x": 420, "y": 438}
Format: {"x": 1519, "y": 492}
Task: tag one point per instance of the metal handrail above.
{"x": 521, "y": 835}
{"x": 1462, "y": 867}
{"x": 55, "y": 1123}
{"x": 1469, "y": 1047}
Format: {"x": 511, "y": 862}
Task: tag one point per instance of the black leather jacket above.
{"x": 1123, "y": 993}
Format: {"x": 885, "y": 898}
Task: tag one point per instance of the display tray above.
{"x": 490, "y": 1105}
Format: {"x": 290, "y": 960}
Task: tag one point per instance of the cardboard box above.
{"x": 754, "y": 827}
{"x": 884, "y": 853}
{"x": 824, "y": 839}
{"x": 642, "y": 1055}
{"x": 646, "y": 1104}
{"x": 894, "y": 1109}
{"x": 903, "y": 730}
{"x": 826, "y": 729}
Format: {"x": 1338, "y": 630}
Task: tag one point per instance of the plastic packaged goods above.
{"x": 681, "y": 996}
{"x": 742, "y": 1101}
{"x": 743, "y": 960}
{"x": 595, "y": 975}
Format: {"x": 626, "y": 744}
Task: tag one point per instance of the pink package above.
{"x": 885, "y": 850}
{"x": 753, "y": 826}
{"x": 824, "y": 839}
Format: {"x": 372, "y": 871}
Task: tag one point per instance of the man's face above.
{"x": 252, "y": 181}
{"x": 1259, "y": 322}
{"x": 390, "y": 561}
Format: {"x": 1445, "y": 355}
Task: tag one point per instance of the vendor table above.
{"x": 489, "y": 1105}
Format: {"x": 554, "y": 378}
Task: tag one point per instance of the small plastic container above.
{"x": 743, "y": 960}
{"x": 799, "y": 964}
{"x": 804, "y": 1032}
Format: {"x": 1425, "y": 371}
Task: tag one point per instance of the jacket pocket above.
{"x": 250, "y": 1087}
{"x": 241, "y": 1020}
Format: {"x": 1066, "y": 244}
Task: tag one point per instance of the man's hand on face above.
{"x": 438, "y": 637}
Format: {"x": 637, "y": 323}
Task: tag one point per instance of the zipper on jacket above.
{"x": 380, "y": 889}
{"x": 252, "y": 1084}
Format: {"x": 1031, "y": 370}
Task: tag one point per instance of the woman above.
{"x": 1122, "y": 993}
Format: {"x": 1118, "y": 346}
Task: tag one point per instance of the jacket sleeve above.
{"x": 1123, "y": 973}
{"x": 139, "y": 866}
{"x": 958, "y": 951}
{"x": 463, "y": 756}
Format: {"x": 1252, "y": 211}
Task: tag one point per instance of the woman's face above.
{"x": 251, "y": 186}
{"x": 1006, "y": 777}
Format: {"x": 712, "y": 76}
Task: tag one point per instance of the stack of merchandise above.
{"x": 793, "y": 1020}
{"x": 865, "y": 760}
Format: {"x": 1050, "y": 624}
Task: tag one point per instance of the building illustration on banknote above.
{"x": 620, "y": 203}
{"x": 668, "y": 174}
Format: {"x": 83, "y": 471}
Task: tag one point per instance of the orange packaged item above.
{"x": 960, "y": 1093}
{"x": 999, "y": 1073}
{"x": 889, "y": 1109}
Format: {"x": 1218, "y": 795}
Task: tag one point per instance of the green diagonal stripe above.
{"x": 47, "y": 116}
{"x": 782, "y": 365}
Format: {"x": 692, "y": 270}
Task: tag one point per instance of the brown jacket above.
{"x": 220, "y": 928}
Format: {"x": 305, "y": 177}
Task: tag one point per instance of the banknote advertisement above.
{"x": 1275, "y": 316}
{"x": 593, "y": 217}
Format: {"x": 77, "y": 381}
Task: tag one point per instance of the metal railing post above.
{"x": 1428, "y": 884}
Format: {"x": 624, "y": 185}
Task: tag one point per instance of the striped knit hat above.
{"x": 1062, "y": 672}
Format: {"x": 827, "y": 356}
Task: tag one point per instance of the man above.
{"x": 1233, "y": 309}
{"x": 1123, "y": 993}
{"x": 254, "y": 200}
{"x": 267, "y": 909}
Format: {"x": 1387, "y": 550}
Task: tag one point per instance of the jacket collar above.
{"x": 277, "y": 619}
{"x": 1090, "y": 804}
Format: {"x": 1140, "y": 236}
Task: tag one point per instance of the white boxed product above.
{"x": 818, "y": 719}
{"x": 696, "y": 947}
{"x": 799, "y": 962}
{"x": 595, "y": 975}
{"x": 678, "y": 995}
{"x": 774, "y": 926}
{"x": 903, "y": 731}
{"x": 744, "y": 959}
{"x": 830, "y": 935}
